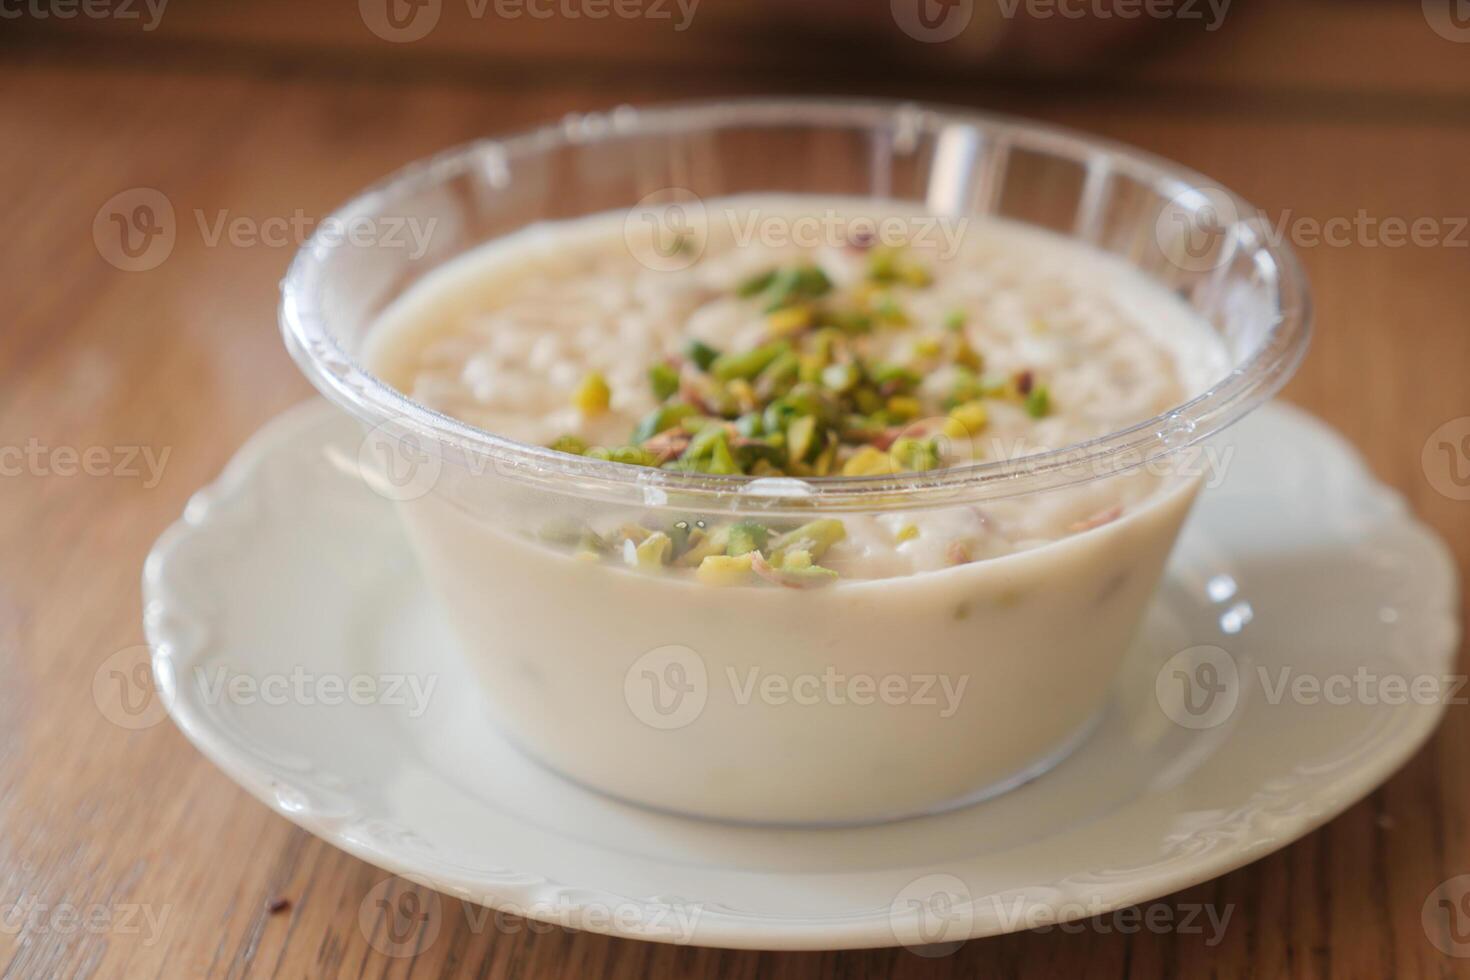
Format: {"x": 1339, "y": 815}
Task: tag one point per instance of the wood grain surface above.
{"x": 124, "y": 853}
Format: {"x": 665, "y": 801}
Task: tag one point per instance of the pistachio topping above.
{"x": 813, "y": 398}
{"x": 593, "y": 395}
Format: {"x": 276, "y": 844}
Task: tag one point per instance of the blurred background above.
{"x": 241, "y": 123}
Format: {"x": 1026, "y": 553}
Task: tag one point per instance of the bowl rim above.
{"x": 346, "y": 382}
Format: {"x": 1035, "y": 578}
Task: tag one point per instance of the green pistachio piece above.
{"x": 704, "y": 441}
{"x": 799, "y": 437}
{"x": 848, "y": 321}
{"x": 795, "y": 283}
{"x": 711, "y": 543}
{"x": 883, "y": 265}
{"x": 916, "y": 454}
{"x": 660, "y": 419}
{"x": 724, "y": 570}
{"x": 592, "y": 396}
{"x": 721, "y": 463}
{"x": 1038, "y": 402}
{"x": 702, "y": 354}
{"x": 894, "y": 374}
{"x": 757, "y": 283}
{"x": 745, "y": 537}
{"x": 664, "y": 380}
{"x": 955, "y": 320}
{"x": 653, "y": 552}
{"x": 749, "y": 425}
{"x": 889, "y": 311}
{"x": 632, "y": 455}
{"x": 575, "y": 445}
{"x": 795, "y": 571}
{"x": 748, "y": 364}
{"x": 780, "y": 373}
{"x": 814, "y": 537}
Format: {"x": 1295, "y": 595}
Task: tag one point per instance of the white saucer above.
{"x": 289, "y": 570}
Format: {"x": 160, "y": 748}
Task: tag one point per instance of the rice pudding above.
{"x": 788, "y": 364}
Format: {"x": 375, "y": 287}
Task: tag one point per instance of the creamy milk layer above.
{"x": 505, "y": 336}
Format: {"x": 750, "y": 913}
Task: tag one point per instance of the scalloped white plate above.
{"x": 291, "y": 574}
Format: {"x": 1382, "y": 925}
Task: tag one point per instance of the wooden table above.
{"x": 124, "y": 853}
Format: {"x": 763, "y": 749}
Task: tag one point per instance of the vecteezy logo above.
{"x": 123, "y": 689}
{"x": 1450, "y": 19}
{"x": 1446, "y": 458}
{"x": 400, "y": 21}
{"x": 1445, "y": 916}
{"x": 1198, "y": 687}
{"x": 667, "y": 230}
{"x": 400, "y": 916}
{"x": 933, "y": 915}
{"x": 135, "y": 229}
{"x": 1195, "y": 229}
{"x": 932, "y": 21}
{"x": 394, "y": 462}
{"x": 667, "y": 687}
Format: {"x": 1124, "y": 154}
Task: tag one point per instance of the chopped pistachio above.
{"x": 661, "y": 418}
{"x": 725, "y": 570}
{"x": 779, "y": 374}
{"x": 747, "y": 364}
{"x": 790, "y": 320}
{"x": 889, "y": 311}
{"x": 967, "y": 356}
{"x": 868, "y": 400}
{"x": 711, "y": 543}
{"x": 794, "y": 571}
{"x": 745, "y": 537}
{"x": 757, "y": 283}
{"x": 869, "y": 461}
{"x": 969, "y": 420}
{"x": 1038, "y": 402}
{"x": 749, "y": 425}
{"x": 799, "y": 436}
{"x": 702, "y": 354}
{"x": 916, "y": 454}
{"x": 744, "y": 394}
{"x": 904, "y": 408}
{"x": 906, "y": 533}
{"x": 794, "y": 283}
{"x": 894, "y": 376}
{"x": 887, "y": 265}
{"x": 636, "y": 533}
{"x": 849, "y": 322}
{"x": 655, "y": 551}
{"x": 721, "y": 463}
{"x": 814, "y": 537}
{"x": 575, "y": 445}
{"x": 664, "y": 380}
{"x": 632, "y": 455}
{"x": 593, "y": 395}
{"x": 927, "y": 347}
{"x": 822, "y": 465}
{"x": 955, "y": 320}
{"x": 883, "y": 265}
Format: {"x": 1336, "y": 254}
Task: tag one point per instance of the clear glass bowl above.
{"x": 866, "y": 700}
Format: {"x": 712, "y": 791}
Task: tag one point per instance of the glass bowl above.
{"x": 866, "y": 700}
